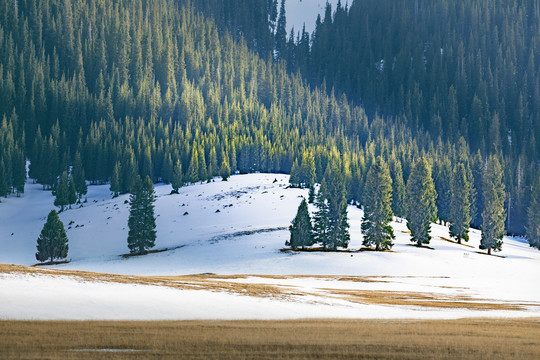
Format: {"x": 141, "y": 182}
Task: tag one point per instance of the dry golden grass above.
{"x": 329, "y": 339}
{"x": 233, "y": 284}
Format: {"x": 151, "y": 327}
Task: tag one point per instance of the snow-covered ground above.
{"x": 239, "y": 227}
{"x": 300, "y": 12}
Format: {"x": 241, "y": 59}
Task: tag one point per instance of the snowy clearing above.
{"x": 241, "y": 243}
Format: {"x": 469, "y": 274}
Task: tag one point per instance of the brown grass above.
{"x": 234, "y": 284}
{"x": 329, "y": 339}
{"x": 455, "y": 242}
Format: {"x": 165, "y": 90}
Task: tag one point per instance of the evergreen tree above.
{"x": 225, "y": 171}
{"x": 177, "y": 180}
{"x": 78, "y": 176}
{"x": 141, "y": 222}
{"x": 294, "y": 178}
{"x": 533, "y": 215}
{"x": 193, "y": 170}
{"x": 62, "y": 191}
{"x": 116, "y": 187}
{"x": 398, "y": 190}
{"x": 301, "y": 229}
{"x": 306, "y": 173}
{"x": 72, "y": 193}
{"x": 311, "y": 195}
{"x": 331, "y": 227}
{"x": 494, "y": 212}
{"x": 421, "y": 196}
{"x": 281, "y": 33}
{"x": 460, "y": 206}
{"x": 378, "y": 207}
{"x": 52, "y": 243}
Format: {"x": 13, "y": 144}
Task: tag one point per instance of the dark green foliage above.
{"x": 78, "y": 177}
{"x": 533, "y": 224}
{"x": 421, "y": 197}
{"x": 378, "y": 207}
{"x": 61, "y": 191}
{"x": 311, "y": 195}
{"x": 399, "y": 206}
{"x": 177, "y": 180}
{"x": 460, "y": 206}
{"x": 443, "y": 186}
{"x": 225, "y": 170}
{"x": 116, "y": 186}
{"x": 494, "y": 213}
{"x": 331, "y": 228}
{"x": 52, "y": 243}
{"x": 141, "y": 222}
{"x": 301, "y": 229}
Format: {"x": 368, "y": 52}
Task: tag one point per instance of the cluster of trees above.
{"x": 12, "y": 159}
{"x": 155, "y": 89}
{"x": 330, "y": 226}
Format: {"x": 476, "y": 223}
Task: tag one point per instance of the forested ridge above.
{"x": 120, "y": 88}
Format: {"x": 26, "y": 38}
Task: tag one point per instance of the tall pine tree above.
{"x": 494, "y": 213}
{"x": 52, "y": 242}
{"x": 378, "y": 207}
{"x": 460, "y": 206}
{"x": 533, "y": 214}
{"x": 301, "y": 229}
{"x": 142, "y": 221}
{"x": 421, "y": 208}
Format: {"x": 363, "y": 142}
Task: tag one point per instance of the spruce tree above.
{"x": 141, "y": 222}
{"x": 225, "y": 171}
{"x": 533, "y": 214}
{"x": 193, "y": 170}
{"x": 331, "y": 227}
{"x": 421, "y": 208}
{"x": 460, "y": 206}
{"x": 52, "y": 242}
{"x": 78, "y": 176}
{"x": 116, "y": 187}
{"x": 398, "y": 190}
{"x": 72, "y": 193}
{"x": 378, "y": 207}
{"x": 177, "y": 180}
{"x": 301, "y": 229}
{"x": 61, "y": 191}
{"x": 494, "y": 212}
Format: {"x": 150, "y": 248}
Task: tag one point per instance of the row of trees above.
{"x": 421, "y": 209}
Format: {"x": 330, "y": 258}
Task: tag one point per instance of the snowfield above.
{"x": 235, "y": 229}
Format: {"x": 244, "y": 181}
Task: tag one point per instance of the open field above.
{"x": 309, "y": 339}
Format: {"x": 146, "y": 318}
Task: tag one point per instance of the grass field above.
{"x": 329, "y": 339}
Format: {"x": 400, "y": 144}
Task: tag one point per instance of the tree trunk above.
{"x": 489, "y": 251}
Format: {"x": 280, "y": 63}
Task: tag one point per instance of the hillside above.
{"x": 241, "y": 245}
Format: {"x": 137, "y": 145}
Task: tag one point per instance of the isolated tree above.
{"x": 142, "y": 221}
{"x": 378, "y": 207}
{"x": 421, "y": 208}
{"x": 177, "y": 180}
{"x": 460, "y": 205}
{"x": 301, "y": 229}
{"x": 533, "y": 215}
{"x": 52, "y": 242}
{"x": 494, "y": 213}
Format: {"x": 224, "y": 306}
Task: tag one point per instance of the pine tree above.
{"x": 398, "y": 190}
{"x": 225, "y": 171}
{"x": 116, "y": 187}
{"x": 378, "y": 207}
{"x": 61, "y": 191}
{"x": 177, "y": 180}
{"x": 78, "y": 176}
{"x": 311, "y": 195}
{"x": 331, "y": 223}
{"x": 294, "y": 178}
{"x": 460, "y": 206}
{"x": 193, "y": 170}
{"x": 421, "y": 208}
{"x": 72, "y": 193}
{"x": 533, "y": 215}
{"x": 52, "y": 243}
{"x": 281, "y": 33}
{"x": 306, "y": 173}
{"x": 494, "y": 212}
{"x": 301, "y": 229}
{"x": 141, "y": 222}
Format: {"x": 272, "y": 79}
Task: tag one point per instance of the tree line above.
{"x": 105, "y": 91}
